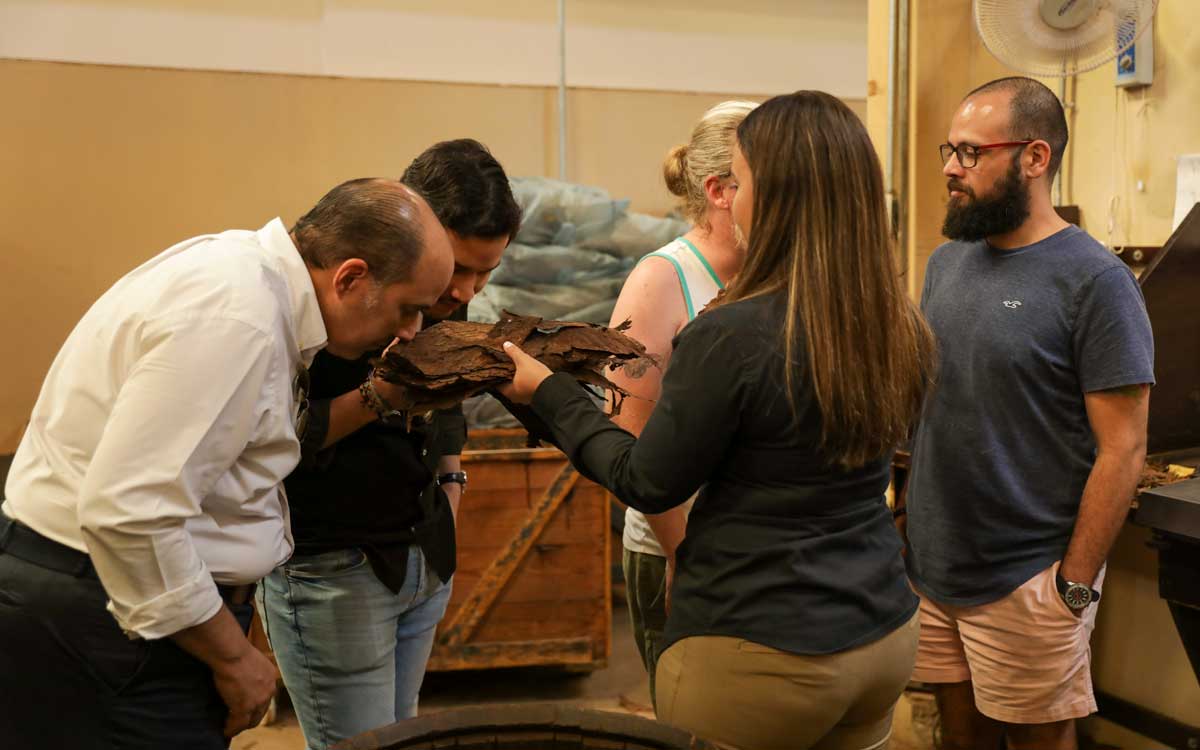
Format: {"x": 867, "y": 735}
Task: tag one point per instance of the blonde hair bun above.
{"x": 707, "y": 153}
{"x": 675, "y": 170}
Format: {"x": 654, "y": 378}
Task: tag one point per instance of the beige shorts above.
{"x": 1027, "y": 655}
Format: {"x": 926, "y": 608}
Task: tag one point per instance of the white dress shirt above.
{"x": 165, "y": 427}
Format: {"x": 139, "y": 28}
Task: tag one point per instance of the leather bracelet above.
{"x": 373, "y": 401}
{"x": 453, "y": 477}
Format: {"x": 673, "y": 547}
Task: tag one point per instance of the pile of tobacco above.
{"x": 1156, "y": 474}
{"x": 454, "y": 360}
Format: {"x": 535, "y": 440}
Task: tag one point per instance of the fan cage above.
{"x": 1014, "y": 32}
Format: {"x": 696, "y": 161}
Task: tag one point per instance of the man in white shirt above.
{"x": 145, "y": 497}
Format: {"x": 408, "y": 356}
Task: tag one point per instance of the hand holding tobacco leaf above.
{"x": 454, "y": 360}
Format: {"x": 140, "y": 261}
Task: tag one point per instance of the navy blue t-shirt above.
{"x": 1004, "y": 447}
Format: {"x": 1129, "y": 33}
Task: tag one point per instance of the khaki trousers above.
{"x": 748, "y": 696}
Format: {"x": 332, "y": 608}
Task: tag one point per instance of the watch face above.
{"x": 1077, "y": 596}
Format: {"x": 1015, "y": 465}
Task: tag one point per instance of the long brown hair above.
{"x": 820, "y": 236}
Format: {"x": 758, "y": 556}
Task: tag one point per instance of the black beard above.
{"x": 970, "y": 219}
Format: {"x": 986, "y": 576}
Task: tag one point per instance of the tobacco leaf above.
{"x": 454, "y": 360}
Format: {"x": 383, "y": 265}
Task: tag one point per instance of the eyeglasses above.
{"x": 968, "y": 155}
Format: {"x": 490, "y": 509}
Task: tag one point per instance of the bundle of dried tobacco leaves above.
{"x": 1156, "y": 474}
{"x": 454, "y": 360}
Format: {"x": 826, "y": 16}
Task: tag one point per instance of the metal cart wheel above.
{"x": 544, "y": 726}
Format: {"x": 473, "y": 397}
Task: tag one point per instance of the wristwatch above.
{"x": 454, "y": 476}
{"x": 1077, "y": 596}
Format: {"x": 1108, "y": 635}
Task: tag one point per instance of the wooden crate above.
{"x": 533, "y": 582}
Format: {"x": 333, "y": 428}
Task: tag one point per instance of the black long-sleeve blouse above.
{"x": 782, "y": 547}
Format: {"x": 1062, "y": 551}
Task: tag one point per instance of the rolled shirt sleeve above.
{"x": 190, "y": 405}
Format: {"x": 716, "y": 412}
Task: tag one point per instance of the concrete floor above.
{"x": 621, "y": 686}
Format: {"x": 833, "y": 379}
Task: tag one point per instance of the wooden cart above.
{"x": 533, "y": 580}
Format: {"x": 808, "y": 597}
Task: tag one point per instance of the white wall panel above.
{"x": 384, "y": 40}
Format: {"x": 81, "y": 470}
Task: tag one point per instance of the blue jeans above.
{"x": 352, "y": 653}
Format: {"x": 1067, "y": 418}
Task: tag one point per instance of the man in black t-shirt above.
{"x": 351, "y": 617}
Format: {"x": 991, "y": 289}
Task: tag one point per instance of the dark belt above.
{"x": 237, "y": 595}
{"x": 22, "y": 542}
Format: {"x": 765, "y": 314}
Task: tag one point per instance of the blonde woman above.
{"x": 662, "y": 295}
{"x": 792, "y": 624}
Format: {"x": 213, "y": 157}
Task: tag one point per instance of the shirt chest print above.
{"x": 1011, "y": 304}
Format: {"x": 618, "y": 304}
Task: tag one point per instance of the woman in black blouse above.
{"x": 792, "y": 624}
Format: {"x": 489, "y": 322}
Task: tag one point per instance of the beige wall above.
{"x": 1118, "y": 136}
{"x": 877, "y": 74}
{"x": 103, "y": 166}
{"x": 947, "y": 60}
{"x": 1136, "y": 650}
{"x": 1122, "y": 135}
{"x": 666, "y": 45}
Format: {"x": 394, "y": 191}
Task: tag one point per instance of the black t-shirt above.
{"x": 374, "y": 489}
{"x": 782, "y": 548}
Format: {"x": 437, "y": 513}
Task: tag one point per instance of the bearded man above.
{"x": 1030, "y": 446}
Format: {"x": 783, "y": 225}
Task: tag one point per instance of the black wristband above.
{"x": 453, "y": 477}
